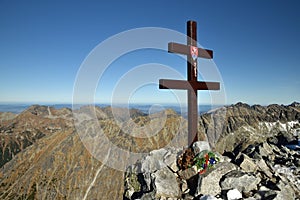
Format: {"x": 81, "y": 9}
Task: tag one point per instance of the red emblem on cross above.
{"x": 194, "y": 52}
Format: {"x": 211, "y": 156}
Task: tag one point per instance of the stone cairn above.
{"x": 263, "y": 171}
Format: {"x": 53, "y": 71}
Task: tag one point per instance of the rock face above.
{"x": 234, "y": 127}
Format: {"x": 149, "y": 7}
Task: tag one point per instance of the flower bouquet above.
{"x": 205, "y": 160}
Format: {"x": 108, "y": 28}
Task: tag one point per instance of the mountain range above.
{"x": 44, "y": 157}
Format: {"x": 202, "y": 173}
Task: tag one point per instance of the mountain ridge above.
{"x": 56, "y": 164}
{"x": 219, "y": 124}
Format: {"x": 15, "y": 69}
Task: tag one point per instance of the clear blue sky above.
{"x": 43, "y": 43}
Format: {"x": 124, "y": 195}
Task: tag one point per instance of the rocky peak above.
{"x": 241, "y": 104}
{"x": 242, "y": 124}
{"x": 38, "y": 110}
{"x": 295, "y": 104}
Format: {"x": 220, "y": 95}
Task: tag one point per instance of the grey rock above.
{"x": 166, "y": 184}
{"x": 225, "y": 159}
{"x": 246, "y": 163}
{"x": 154, "y": 161}
{"x": 241, "y": 181}
{"x": 288, "y": 176}
{"x": 173, "y": 166}
{"x": 266, "y": 149}
{"x": 286, "y": 192}
{"x": 264, "y": 168}
{"x": 184, "y": 187}
{"x": 200, "y": 146}
{"x": 170, "y": 159}
{"x": 209, "y": 182}
{"x": 188, "y": 173}
{"x": 161, "y": 158}
{"x": 147, "y": 182}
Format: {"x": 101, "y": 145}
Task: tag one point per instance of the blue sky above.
{"x": 44, "y": 43}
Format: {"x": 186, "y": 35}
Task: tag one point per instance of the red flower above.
{"x": 206, "y": 156}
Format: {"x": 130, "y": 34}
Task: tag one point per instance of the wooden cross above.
{"x": 192, "y": 84}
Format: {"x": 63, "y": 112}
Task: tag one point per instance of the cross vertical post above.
{"x": 192, "y": 85}
{"x": 192, "y": 76}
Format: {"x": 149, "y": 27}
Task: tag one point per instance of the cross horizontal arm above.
{"x": 184, "y": 49}
{"x": 188, "y": 85}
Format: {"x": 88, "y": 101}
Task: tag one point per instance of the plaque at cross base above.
{"x": 192, "y": 85}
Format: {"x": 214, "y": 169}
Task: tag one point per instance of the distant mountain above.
{"x": 17, "y": 132}
{"x": 55, "y": 164}
{"x": 241, "y": 124}
{"x": 43, "y": 157}
{"x": 145, "y": 108}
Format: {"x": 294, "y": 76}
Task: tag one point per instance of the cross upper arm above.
{"x": 185, "y": 50}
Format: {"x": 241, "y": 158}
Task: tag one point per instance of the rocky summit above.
{"x": 264, "y": 171}
{"x": 44, "y": 157}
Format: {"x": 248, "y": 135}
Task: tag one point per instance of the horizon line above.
{"x": 137, "y": 103}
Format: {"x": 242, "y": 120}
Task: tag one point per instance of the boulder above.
{"x": 154, "y": 161}
{"x": 263, "y": 167}
{"x": 200, "y": 146}
{"x": 170, "y": 158}
{"x": 286, "y": 192}
{"x": 166, "y": 184}
{"x": 265, "y": 149}
{"x": 184, "y": 187}
{"x": 188, "y": 173}
{"x": 209, "y": 182}
{"x": 246, "y": 163}
{"x": 161, "y": 158}
{"x": 239, "y": 180}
